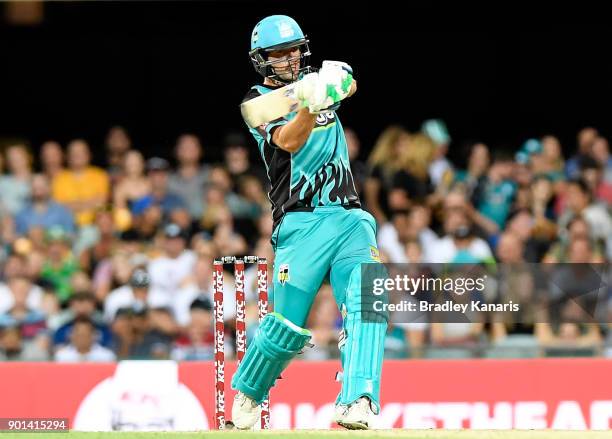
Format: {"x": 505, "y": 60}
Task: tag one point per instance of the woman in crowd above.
{"x": 16, "y": 186}
{"x": 385, "y": 160}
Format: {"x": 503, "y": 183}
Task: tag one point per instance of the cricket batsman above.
{"x": 320, "y": 230}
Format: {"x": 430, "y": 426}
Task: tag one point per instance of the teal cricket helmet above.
{"x": 277, "y": 32}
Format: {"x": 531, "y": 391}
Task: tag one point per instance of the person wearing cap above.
{"x": 436, "y": 130}
{"x": 189, "y": 179}
{"x": 135, "y": 293}
{"x": 161, "y": 195}
{"x": 171, "y": 271}
{"x": 82, "y": 188}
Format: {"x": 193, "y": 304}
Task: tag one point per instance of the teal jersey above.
{"x": 319, "y": 174}
{"x": 496, "y": 201}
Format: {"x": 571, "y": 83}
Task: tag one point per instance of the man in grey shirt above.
{"x": 190, "y": 177}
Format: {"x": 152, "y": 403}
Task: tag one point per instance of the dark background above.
{"x": 161, "y": 68}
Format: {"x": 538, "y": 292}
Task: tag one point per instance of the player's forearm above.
{"x": 292, "y": 136}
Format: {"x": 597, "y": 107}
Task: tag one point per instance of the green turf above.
{"x": 327, "y": 434}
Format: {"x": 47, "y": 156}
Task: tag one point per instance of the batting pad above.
{"x": 362, "y": 357}
{"x": 276, "y": 343}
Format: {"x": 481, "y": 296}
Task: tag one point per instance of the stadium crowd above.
{"x": 110, "y": 262}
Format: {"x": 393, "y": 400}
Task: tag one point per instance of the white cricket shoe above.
{"x": 245, "y": 412}
{"x": 339, "y": 411}
{"x": 357, "y": 416}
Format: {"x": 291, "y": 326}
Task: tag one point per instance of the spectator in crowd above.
{"x": 586, "y": 138}
{"x": 60, "y": 264}
{"x": 82, "y": 305}
{"x": 534, "y": 241}
{"x": 50, "y": 307}
{"x": 30, "y": 320}
{"x": 135, "y": 293}
{"x": 569, "y": 337}
{"x": 83, "y": 346}
{"x": 118, "y": 143}
{"x": 393, "y": 235}
{"x": 238, "y": 206}
{"x": 161, "y": 195}
{"x": 238, "y": 162}
{"x": 478, "y": 163}
{"x": 385, "y": 160}
{"x": 323, "y": 323}
{"x": 16, "y": 267}
{"x": 575, "y": 291}
{"x": 133, "y": 184}
{"x": 577, "y": 228}
{"x": 51, "y": 159}
{"x": 196, "y": 342}
{"x": 42, "y": 211}
{"x": 191, "y": 176}
{"x": 510, "y": 249}
{"x": 98, "y": 243}
{"x": 15, "y": 187}
{"x": 218, "y": 221}
{"x": 601, "y": 153}
{"x": 358, "y": 168}
{"x": 459, "y": 245}
{"x": 439, "y": 168}
{"x": 146, "y": 224}
{"x": 463, "y": 336}
{"x": 592, "y": 173}
{"x": 411, "y": 183}
{"x": 552, "y": 164}
{"x": 122, "y": 332}
{"x": 457, "y": 199}
{"x": 514, "y": 282}
{"x": 252, "y": 191}
{"x": 542, "y": 200}
{"x": 111, "y": 266}
{"x": 494, "y": 196}
{"x": 14, "y": 348}
{"x": 580, "y": 203}
{"x": 153, "y": 331}
{"x": 406, "y": 226}
{"x": 172, "y": 270}
{"x": 82, "y": 188}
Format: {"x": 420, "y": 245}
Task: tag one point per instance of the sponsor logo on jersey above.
{"x": 374, "y": 253}
{"x": 326, "y": 118}
{"x": 283, "y": 274}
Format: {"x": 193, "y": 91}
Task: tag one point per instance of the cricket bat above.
{"x": 270, "y": 106}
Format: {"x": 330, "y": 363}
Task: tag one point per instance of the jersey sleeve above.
{"x": 265, "y": 131}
